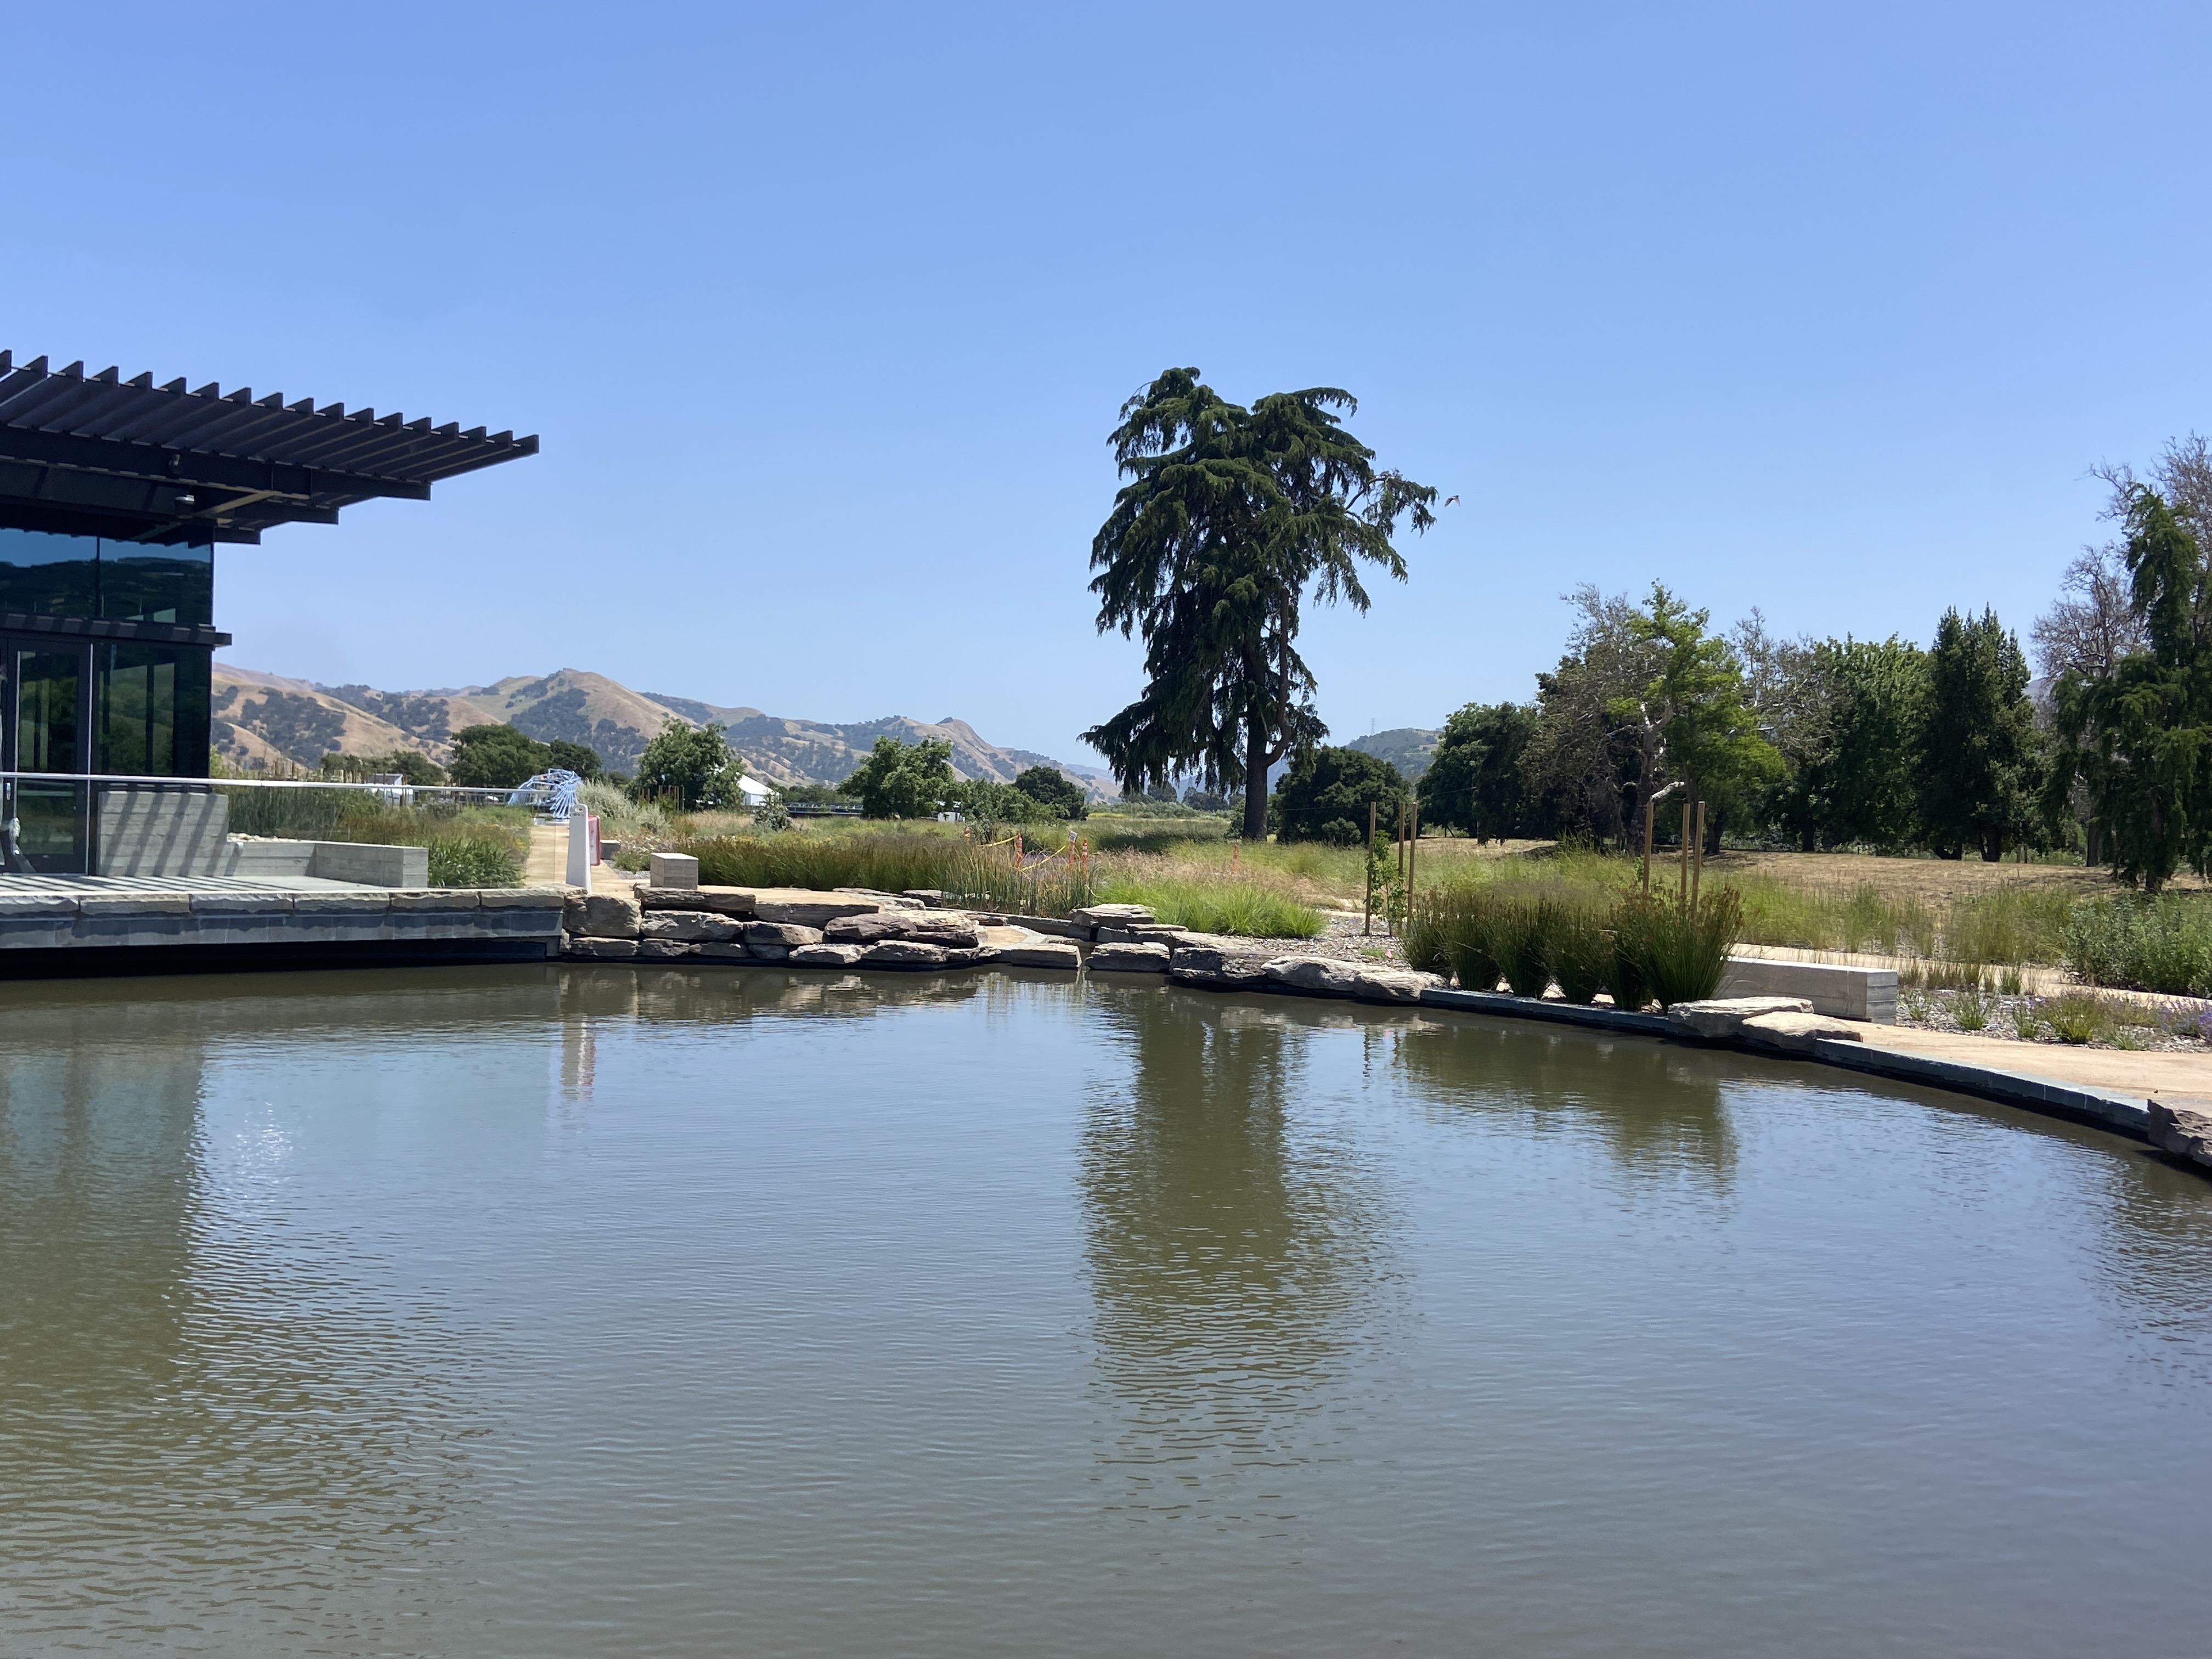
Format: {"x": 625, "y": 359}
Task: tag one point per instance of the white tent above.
{"x": 753, "y": 793}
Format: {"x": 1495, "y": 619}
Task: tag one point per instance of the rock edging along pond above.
{"x": 793, "y": 928}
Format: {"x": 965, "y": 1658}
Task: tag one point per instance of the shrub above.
{"x": 2161, "y": 943}
{"x": 473, "y": 860}
{"x": 1681, "y": 951}
{"x": 1581, "y": 955}
{"x": 1237, "y": 907}
{"x": 691, "y": 764}
{"x": 1520, "y": 930}
{"x": 903, "y": 780}
{"x": 1051, "y": 788}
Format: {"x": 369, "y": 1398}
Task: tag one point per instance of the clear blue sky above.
{"x": 823, "y": 313}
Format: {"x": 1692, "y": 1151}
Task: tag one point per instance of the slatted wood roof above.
{"x": 101, "y": 454}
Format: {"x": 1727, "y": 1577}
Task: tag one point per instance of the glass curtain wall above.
{"x": 46, "y": 574}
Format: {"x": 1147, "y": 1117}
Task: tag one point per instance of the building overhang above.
{"x": 95, "y": 455}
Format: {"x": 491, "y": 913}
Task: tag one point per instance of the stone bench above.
{"x": 1833, "y": 989}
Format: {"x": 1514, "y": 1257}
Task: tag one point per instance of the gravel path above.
{"x": 1341, "y": 943}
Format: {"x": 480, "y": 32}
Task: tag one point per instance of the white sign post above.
{"x": 580, "y": 849}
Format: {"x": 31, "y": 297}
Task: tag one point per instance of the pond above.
{"x": 531, "y": 1312}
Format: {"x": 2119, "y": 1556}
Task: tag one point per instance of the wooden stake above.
{"x": 1682, "y": 893}
{"x": 1651, "y": 805}
{"x": 1367, "y": 909}
{"x": 1413, "y": 848}
{"x": 1697, "y": 858}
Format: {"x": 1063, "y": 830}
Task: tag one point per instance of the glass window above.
{"x": 141, "y": 581}
{"x": 153, "y": 710}
{"x": 48, "y": 575}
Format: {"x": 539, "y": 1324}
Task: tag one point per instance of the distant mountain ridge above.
{"x": 265, "y": 719}
{"x": 1406, "y": 747}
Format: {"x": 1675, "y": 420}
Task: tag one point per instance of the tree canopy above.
{"x": 1051, "y": 788}
{"x": 496, "y": 757}
{"x": 903, "y": 781}
{"x": 691, "y": 762}
{"x": 1233, "y": 517}
{"x": 1976, "y": 747}
{"x": 1325, "y": 795}
{"x": 1474, "y": 781}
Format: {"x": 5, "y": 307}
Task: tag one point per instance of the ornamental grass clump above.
{"x": 1522, "y": 930}
{"x": 1681, "y": 951}
{"x": 1582, "y": 954}
{"x": 2163, "y": 944}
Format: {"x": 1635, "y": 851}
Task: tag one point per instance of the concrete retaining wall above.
{"x": 161, "y": 832}
{"x": 43, "y": 932}
{"x": 369, "y": 864}
{"x": 1861, "y": 993}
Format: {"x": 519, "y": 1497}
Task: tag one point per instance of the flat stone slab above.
{"x": 667, "y": 948}
{"x": 903, "y": 953}
{"x": 1128, "y": 959}
{"x": 603, "y": 949}
{"x": 788, "y": 935}
{"x": 1111, "y": 915}
{"x": 694, "y": 927}
{"x": 1798, "y": 1033}
{"x": 807, "y": 909}
{"x": 2182, "y": 1125}
{"x": 1723, "y": 1016}
{"x": 602, "y": 915}
{"x": 722, "y": 901}
{"x": 949, "y": 928}
{"x": 1059, "y": 953}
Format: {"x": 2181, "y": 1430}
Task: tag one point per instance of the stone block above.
{"x": 445, "y": 899}
{"x": 827, "y": 956}
{"x": 371, "y": 866}
{"x": 1060, "y": 953}
{"x": 1846, "y": 992}
{"x": 2182, "y": 1125}
{"x": 673, "y": 870}
{"x": 1111, "y": 915}
{"x": 1127, "y": 959}
{"x": 928, "y": 897}
{"x": 1054, "y": 927}
{"x": 903, "y": 953}
{"x": 768, "y": 953}
{"x": 607, "y": 915}
{"x": 1208, "y": 965}
{"x": 1723, "y": 1017}
{"x": 883, "y": 901}
{"x": 37, "y": 921}
{"x": 147, "y": 904}
{"x": 240, "y": 904}
{"x": 722, "y": 901}
{"x": 148, "y": 831}
{"x": 603, "y": 949}
{"x": 696, "y": 926}
{"x": 806, "y": 909}
{"x": 731, "y": 951}
{"x": 664, "y": 950}
{"x": 786, "y": 934}
{"x": 522, "y": 898}
{"x": 39, "y": 904}
{"x": 1798, "y": 1033}
{"x": 949, "y": 928}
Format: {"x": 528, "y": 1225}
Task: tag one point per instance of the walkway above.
{"x": 15, "y": 884}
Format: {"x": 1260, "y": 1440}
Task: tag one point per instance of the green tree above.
{"x": 496, "y": 757}
{"x": 2140, "y": 737}
{"x": 1474, "y": 781}
{"x": 1867, "y": 790}
{"x": 1230, "y": 517}
{"x": 1697, "y": 705}
{"x": 1050, "y": 786}
{"x": 1977, "y": 749}
{"x": 1326, "y": 794}
{"x": 691, "y": 762}
{"x": 575, "y": 757}
{"x": 903, "y": 781}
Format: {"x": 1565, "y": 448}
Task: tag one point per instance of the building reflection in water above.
{"x": 204, "y": 1402}
{"x": 1237, "y": 1257}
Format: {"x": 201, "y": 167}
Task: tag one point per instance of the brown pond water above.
{"x": 491, "y": 1312}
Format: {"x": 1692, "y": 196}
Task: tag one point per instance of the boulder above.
{"x": 1316, "y": 976}
{"x": 602, "y": 915}
{"x": 1111, "y": 915}
{"x": 769, "y": 952}
{"x": 947, "y": 927}
{"x": 1799, "y": 1032}
{"x": 1128, "y": 959}
{"x": 729, "y": 952}
{"x": 827, "y": 956}
{"x": 809, "y": 909}
{"x": 885, "y": 901}
{"x": 903, "y": 953}
{"x": 698, "y": 927}
{"x": 1206, "y": 965}
{"x": 2182, "y": 1125}
{"x": 722, "y": 901}
{"x": 1036, "y": 952}
{"x": 928, "y": 897}
{"x": 602, "y": 950}
{"x": 1052, "y": 926}
{"x": 1723, "y": 1016}
{"x": 1392, "y": 984}
{"x": 1144, "y": 933}
{"x": 785, "y": 934}
{"x": 661, "y": 948}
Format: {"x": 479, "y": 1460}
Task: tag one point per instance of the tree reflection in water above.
{"x": 1237, "y": 1253}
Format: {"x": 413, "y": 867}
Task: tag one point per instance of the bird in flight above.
{"x": 1451, "y": 501}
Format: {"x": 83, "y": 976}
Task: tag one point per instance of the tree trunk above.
{"x": 1256, "y": 781}
{"x": 1809, "y": 837}
{"x": 1993, "y": 846}
{"x": 2094, "y": 854}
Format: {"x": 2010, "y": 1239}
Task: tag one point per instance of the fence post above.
{"x": 1412, "y": 850}
{"x": 1367, "y": 907}
{"x": 1682, "y": 895}
{"x": 1651, "y": 807}
{"x": 1697, "y": 859}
